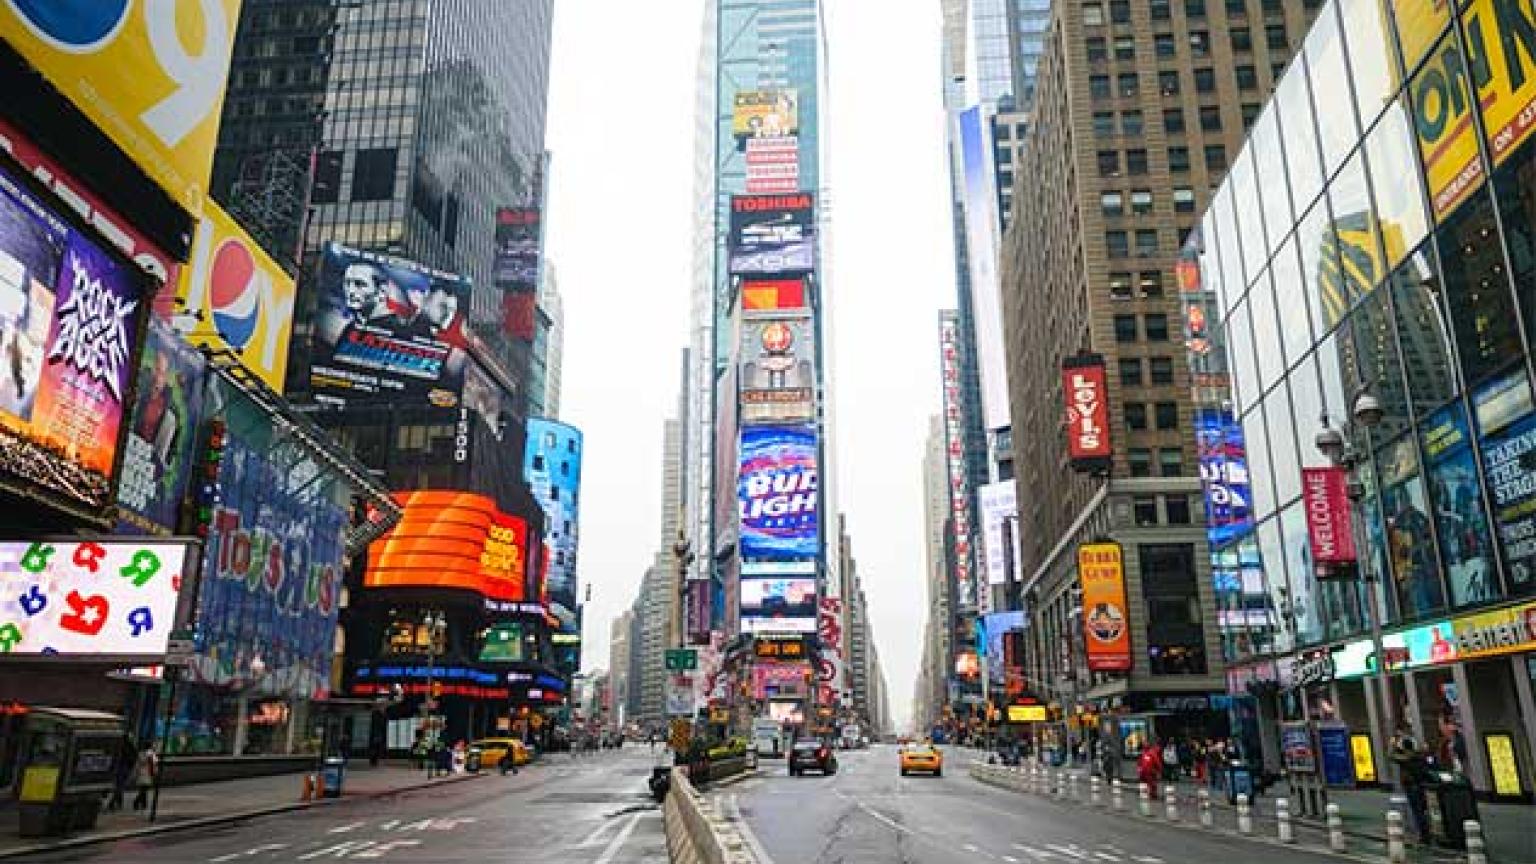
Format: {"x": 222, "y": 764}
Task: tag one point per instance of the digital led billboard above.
{"x": 160, "y": 446}
{"x": 765, "y": 113}
{"x": 552, "y": 467}
{"x": 778, "y": 598}
{"x": 778, "y": 362}
{"x": 452, "y": 540}
{"x": 69, "y": 322}
{"x": 776, "y": 490}
{"x": 773, "y": 234}
{"x": 388, "y": 328}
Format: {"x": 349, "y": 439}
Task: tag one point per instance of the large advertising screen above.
{"x": 773, "y": 234}
{"x": 516, "y": 268}
{"x": 69, "y": 315}
{"x": 388, "y": 328}
{"x": 1223, "y": 475}
{"x": 778, "y": 598}
{"x": 998, "y": 503}
{"x": 150, "y": 75}
{"x": 983, "y": 236}
{"x": 160, "y": 447}
{"x": 272, "y": 575}
{"x": 778, "y": 363}
{"x": 1106, "y": 629}
{"x": 765, "y": 113}
{"x": 110, "y": 598}
{"x": 235, "y": 296}
{"x": 958, "y": 479}
{"x": 452, "y": 540}
{"x": 776, "y": 490}
{"x": 552, "y": 466}
{"x": 773, "y": 295}
{"x": 997, "y": 626}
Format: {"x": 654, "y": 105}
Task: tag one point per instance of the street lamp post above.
{"x": 435, "y": 625}
{"x": 1336, "y": 445}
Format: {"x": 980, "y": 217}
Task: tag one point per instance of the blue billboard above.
{"x": 552, "y": 466}
{"x": 1223, "y": 475}
{"x": 776, "y": 490}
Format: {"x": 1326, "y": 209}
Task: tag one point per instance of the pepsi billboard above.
{"x": 388, "y": 328}
{"x": 776, "y": 491}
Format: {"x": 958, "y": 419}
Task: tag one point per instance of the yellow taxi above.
{"x": 924, "y": 758}
{"x": 493, "y": 749}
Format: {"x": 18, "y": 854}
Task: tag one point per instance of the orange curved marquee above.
{"x": 455, "y": 540}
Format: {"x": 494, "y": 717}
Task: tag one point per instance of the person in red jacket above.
{"x": 1149, "y": 766}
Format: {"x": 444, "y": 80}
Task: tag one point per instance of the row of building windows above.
{"x": 1119, "y": 11}
{"x": 1113, "y": 203}
{"x": 1169, "y": 82}
{"x": 1124, "y": 285}
{"x": 1161, "y": 369}
{"x": 1154, "y": 324}
{"x": 1165, "y": 45}
{"x": 1164, "y": 414}
{"x": 1118, "y": 243}
{"x": 1169, "y": 463}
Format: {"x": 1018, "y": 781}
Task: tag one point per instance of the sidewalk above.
{"x": 198, "y": 805}
{"x": 1509, "y": 830}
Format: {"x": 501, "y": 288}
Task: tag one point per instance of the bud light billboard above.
{"x": 776, "y": 489}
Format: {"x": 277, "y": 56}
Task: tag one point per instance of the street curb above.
{"x": 731, "y": 780}
{"x": 222, "y": 819}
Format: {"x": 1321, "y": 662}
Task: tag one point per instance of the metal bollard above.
{"x": 1116, "y": 796}
{"x": 1283, "y": 820}
{"x": 1336, "y": 840}
{"x": 1144, "y": 799}
{"x": 1059, "y": 784}
{"x": 1244, "y": 815}
{"x": 1171, "y": 802}
{"x": 1397, "y": 851}
{"x": 1096, "y": 791}
{"x": 1207, "y": 820}
{"x": 1072, "y": 786}
{"x": 1476, "y": 852}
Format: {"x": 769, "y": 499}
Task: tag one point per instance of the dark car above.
{"x": 811, "y": 754}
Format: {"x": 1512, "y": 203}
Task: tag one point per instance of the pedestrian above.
{"x": 1149, "y": 766}
{"x": 122, "y": 772}
{"x": 1413, "y": 773}
{"x": 146, "y": 766}
{"x": 1171, "y": 759}
{"x": 509, "y": 760}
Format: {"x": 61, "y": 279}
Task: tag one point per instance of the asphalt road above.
{"x": 592, "y": 810}
{"x": 867, "y": 812}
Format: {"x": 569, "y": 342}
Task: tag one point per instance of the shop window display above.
{"x": 1415, "y": 572}
{"x": 1457, "y": 497}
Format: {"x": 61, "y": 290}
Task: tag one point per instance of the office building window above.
{"x": 1141, "y": 461}
{"x": 1170, "y": 462}
{"x": 1157, "y": 327}
{"x": 1205, "y": 80}
{"x": 1141, "y": 202}
{"x": 1120, "y": 11}
{"x": 1173, "y": 120}
{"x": 1098, "y": 86}
{"x": 1125, "y": 328}
{"x": 1210, "y": 118}
{"x": 1178, "y": 160}
{"x": 1162, "y": 370}
{"x": 1098, "y": 48}
{"x": 1165, "y": 45}
{"x": 1275, "y": 37}
{"x": 1194, "y": 9}
{"x": 373, "y": 174}
{"x": 1130, "y": 371}
{"x": 1175, "y": 637}
{"x": 1183, "y": 199}
{"x": 327, "y": 185}
{"x": 1120, "y": 286}
{"x": 1109, "y": 163}
{"x": 1093, "y": 14}
{"x": 1144, "y": 508}
{"x": 1112, "y": 203}
{"x": 1129, "y": 84}
{"x": 1118, "y": 244}
{"x": 1167, "y": 415}
{"x": 1125, "y": 47}
{"x": 1251, "y": 115}
{"x": 1103, "y": 123}
{"x": 1247, "y": 77}
{"x": 1151, "y": 283}
{"x": 1131, "y": 123}
{"x": 1177, "y": 509}
{"x": 1237, "y": 9}
{"x": 1146, "y": 242}
{"x": 1135, "y": 416}
{"x": 1215, "y": 159}
{"x": 1135, "y": 162}
{"x": 1160, "y": 10}
{"x": 1242, "y": 40}
{"x": 1168, "y": 82}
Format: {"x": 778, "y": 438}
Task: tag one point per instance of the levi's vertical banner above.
{"x": 1106, "y": 632}
{"x": 1087, "y": 394}
{"x": 151, "y": 74}
{"x": 1325, "y": 500}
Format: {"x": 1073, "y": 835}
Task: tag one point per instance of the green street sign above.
{"x": 682, "y": 659}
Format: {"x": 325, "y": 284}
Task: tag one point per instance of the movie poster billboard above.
{"x": 765, "y": 114}
{"x": 776, "y": 490}
{"x": 516, "y": 269}
{"x": 552, "y": 467}
{"x": 69, "y": 321}
{"x": 160, "y": 447}
{"x": 388, "y": 328}
{"x": 1506, "y": 423}
{"x": 778, "y": 362}
{"x": 773, "y": 234}
{"x": 272, "y": 569}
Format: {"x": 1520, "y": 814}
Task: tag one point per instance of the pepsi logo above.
{"x": 76, "y": 26}
{"x": 235, "y": 288}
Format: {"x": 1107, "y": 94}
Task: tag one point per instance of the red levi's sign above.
{"x": 1325, "y": 499}
{"x": 1082, "y": 381}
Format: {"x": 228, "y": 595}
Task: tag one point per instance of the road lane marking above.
{"x": 971, "y": 847}
{"x": 1072, "y": 850}
{"x": 249, "y": 853}
{"x": 598, "y": 835}
{"x": 342, "y": 829}
{"x": 1010, "y": 859}
{"x": 617, "y": 843}
{"x": 386, "y": 847}
{"x": 339, "y": 850}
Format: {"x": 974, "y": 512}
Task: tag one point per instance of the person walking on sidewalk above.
{"x": 1171, "y": 759}
{"x": 1413, "y": 772}
{"x": 122, "y": 772}
{"x": 145, "y": 766}
{"x": 1149, "y": 766}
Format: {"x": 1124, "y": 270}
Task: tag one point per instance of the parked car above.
{"x": 811, "y": 754}
{"x": 493, "y": 749}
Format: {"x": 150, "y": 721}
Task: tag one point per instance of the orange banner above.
{"x": 1101, "y": 571}
{"x": 454, "y": 540}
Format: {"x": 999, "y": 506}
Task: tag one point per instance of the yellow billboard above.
{"x": 1510, "y": 630}
{"x": 765, "y": 113}
{"x": 150, "y": 74}
{"x": 1442, "y": 122}
{"x": 237, "y": 297}
{"x": 1419, "y": 24}
{"x": 1501, "y": 52}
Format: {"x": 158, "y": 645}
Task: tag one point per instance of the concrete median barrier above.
{"x": 696, "y": 834}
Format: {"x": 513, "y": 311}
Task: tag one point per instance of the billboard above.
{"x": 236, "y": 297}
{"x": 999, "y": 507}
{"x": 1087, "y": 395}
{"x": 773, "y": 165}
{"x": 831, "y": 672}
{"x": 958, "y": 481}
{"x": 778, "y": 598}
{"x": 516, "y": 269}
{"x": 387, "y": 328}
{"x": 151, "y": 75}
{"x": 773, "y": 295}
{"x": 765, "y": 114}
{"x": 1326, "y": 505}
{"x": 1223, "y": 475}
{"x": 552, "y": 467}
{"x": 727, "y": 425}
{"x": 998, "y": 625}
{"x": 272, "y": 576}
{"x": 773, "y": 234}
{"x": 69, "y": 315}
{"x": 778, "y": 363}
{"x": 983, "y": 237}
{"x": 159, "y": 449}
{"x": 1501, "y": 41}
{"x": 776, "y": 491}
{"x": 114, "y": 598}
{"x": 1442, "y": 121}
{"x": 1106, "y": 630}
{"x": 452, "y": 540}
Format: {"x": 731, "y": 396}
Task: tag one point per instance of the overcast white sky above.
{"x": 621, "y": 127}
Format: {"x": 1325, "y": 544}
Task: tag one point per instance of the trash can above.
{"x": 332, "y": 773}
{"x": 1239, "y": 780}
{"x": 1451, "y": 793}
{"x": 472, "y": 760}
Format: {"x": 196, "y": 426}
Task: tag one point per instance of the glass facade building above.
{"x": 1375, "y": 235}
